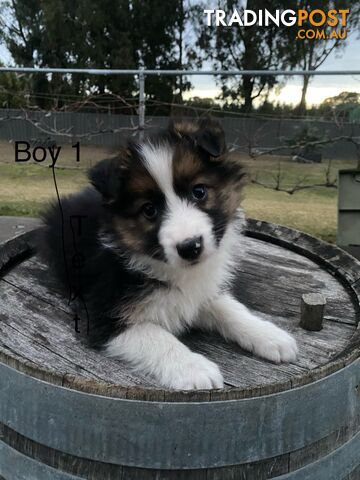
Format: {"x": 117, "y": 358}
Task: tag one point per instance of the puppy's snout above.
{"x": 191, "y": 248}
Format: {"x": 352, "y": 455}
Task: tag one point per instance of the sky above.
{"x": 319, "y": 89}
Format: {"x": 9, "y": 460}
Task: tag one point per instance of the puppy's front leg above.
{"x": 235, "y": 322}
{"x": 154, "y": 351}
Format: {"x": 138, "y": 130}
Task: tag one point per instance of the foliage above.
{"x": 341, "y": 106}
{"x": 12, "y": 90}
{"x": 250, "y": 48}
{"x": 98, "y": 34}
{"x": 157, "y": 35}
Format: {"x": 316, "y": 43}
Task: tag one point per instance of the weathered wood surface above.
{"x": 36, "y": 327}
{"x": 37, "y": 336}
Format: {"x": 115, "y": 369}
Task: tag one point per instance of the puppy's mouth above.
{"x": 195, "y": 262}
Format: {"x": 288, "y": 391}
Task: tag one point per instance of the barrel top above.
{"x": 37, "y": 334}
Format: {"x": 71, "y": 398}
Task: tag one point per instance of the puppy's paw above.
{"x": 273, "y": 343}
{"x": 195, "y": 372}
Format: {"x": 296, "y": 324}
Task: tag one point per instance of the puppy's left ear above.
{"x": 106, "y": 176}
{"x": 211, "y": 137}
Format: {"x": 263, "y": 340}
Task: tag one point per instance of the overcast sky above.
{"x": 320, "y": 87}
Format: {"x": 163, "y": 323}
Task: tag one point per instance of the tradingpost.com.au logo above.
{"x": 311, "y": 24}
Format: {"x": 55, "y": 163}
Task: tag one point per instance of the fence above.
{"x": 109, "y": 130}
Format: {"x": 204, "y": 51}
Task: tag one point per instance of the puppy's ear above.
{"x": 206, "y": 133}
{"x": 106, "y": 177}
{"x": 211, "y": 137}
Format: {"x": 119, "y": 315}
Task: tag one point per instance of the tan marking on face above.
{"x": 132, "y": 232}
{"x": 140, "y": 181}
{"x": 223, "y": 191}
{"x": 186, "y": 164}
{"x": 230, "y": 190}
{"x": 133, "y": 228}
{"x": 231, "y": 199}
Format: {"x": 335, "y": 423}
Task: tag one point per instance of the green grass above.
{"x": 26, "y": 188}
{"x": 313, "y": 210}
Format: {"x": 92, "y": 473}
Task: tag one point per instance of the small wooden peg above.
{"x": 312, "y": 311}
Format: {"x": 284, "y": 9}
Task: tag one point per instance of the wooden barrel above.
{"x": 68, "y": 413}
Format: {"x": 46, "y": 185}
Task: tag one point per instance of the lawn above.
{"x": 312, "y": 210}
{"x": 26, "y": 187}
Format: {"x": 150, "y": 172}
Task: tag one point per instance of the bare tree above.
{"x": 302, "y": 183}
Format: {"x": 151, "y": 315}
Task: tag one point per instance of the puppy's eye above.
{"x": 199, "y": 192}
{"x": 149, "y": 211}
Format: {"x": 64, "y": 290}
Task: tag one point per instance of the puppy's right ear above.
{"x": 106, "y": 177}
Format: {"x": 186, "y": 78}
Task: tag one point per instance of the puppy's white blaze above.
{"x": 184, "y": 221}
{"x": 158, "y": 162}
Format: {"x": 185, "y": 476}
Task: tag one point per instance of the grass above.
{"x": 313, "y": 210}
{"x": 25, "y": 188}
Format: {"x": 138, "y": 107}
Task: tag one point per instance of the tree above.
{"x": 340, "y": 106}
{"x": 310, "y": 54}
{"x": 158, "y": 37}
{"x": 48, "y": 33}
{"x": 246, "y": 48}
{"x": 12, "y": 90}
{"x": 344, "y": 98}
{"x": 108, "y": 34}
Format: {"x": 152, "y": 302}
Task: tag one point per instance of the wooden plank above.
{"x": 256, "y": 471}
{"x": 354, "y": 475}
{"x": 329, "y": 256}
{"x": 34, "y": 278}
{"x": 282, "y": 277}
{"x": 36, "y": 309}
{"x": 130, "y": 473}
{"x": 44, "y": 335}
{"x": 242, "y": 369}
{"x": 239, "y": 368}
{"x": 14, "y": 465}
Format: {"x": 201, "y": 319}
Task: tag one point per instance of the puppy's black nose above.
{"x": 191, "y": 248}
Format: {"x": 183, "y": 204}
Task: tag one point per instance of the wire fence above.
{"x": 105, "y": 120}
{"x": 110, "y": 130}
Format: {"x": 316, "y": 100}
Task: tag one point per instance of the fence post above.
{"x": 141, "y": 104}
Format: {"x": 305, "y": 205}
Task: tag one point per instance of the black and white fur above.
{"x": 140, "y": 293}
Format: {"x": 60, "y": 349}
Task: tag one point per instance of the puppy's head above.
{"x": 172, "y": 196}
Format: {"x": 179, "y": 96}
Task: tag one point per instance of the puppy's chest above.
{"x": 176, "y": 307}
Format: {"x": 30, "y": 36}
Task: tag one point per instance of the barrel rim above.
{"x": 341, "y": 264}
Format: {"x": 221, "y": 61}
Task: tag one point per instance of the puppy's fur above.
{"x": 160, "y": 240}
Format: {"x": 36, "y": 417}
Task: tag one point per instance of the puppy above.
{"x": 161, "y": 236}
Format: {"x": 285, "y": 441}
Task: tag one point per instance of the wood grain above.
{"x": 280, "y": 265}
{"x": 36, "y": 324}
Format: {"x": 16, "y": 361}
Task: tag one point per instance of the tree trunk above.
{"x": 302, "y": 105}
{"x": 247, "y": 89}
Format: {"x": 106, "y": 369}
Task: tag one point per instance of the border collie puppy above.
{"x": 161, "y": 238}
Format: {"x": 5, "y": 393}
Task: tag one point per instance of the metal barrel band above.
{"x": 335, "y": 466}
{"x": 177, "y": 435}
